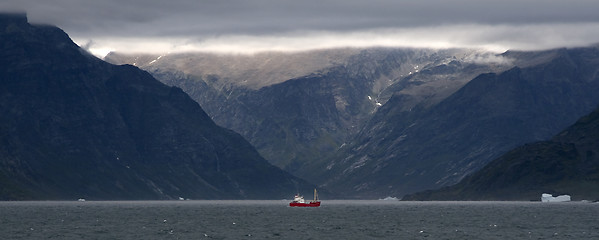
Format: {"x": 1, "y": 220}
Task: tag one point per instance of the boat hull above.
{"x": 310, "y": 204}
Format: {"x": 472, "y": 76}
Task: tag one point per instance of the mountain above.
{"x": 73, "y": 126}
{"x": 566, "y": 164}
{"x": 377, "y": 122}
{"x": 404, "y": 150}
{"x": 298, "y": 108}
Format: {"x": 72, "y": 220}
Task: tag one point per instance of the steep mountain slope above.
{"x": 403, "y": 150}
{"x": 296, "y": 122}
{"x": 74, "y": 126}
{"x": 566, "y": 164}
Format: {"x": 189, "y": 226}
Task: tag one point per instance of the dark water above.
{"x": 274, "y": 220}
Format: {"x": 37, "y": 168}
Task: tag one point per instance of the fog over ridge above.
{"x": 240, "y": 26}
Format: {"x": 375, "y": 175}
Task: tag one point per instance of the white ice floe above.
{"x": 546, "y": 197}
{"x": 389, "y": 199}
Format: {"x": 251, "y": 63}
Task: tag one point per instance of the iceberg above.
{"x": 389, "y": 199}
{"x": 546, "y": 197}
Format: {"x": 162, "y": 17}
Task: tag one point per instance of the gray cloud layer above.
{"x": 201, "y": 24}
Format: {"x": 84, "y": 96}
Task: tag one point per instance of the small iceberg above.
{"x": 389, "y": 199}
{"x": 546, "y": 197}
{"x": 81, "y": 199}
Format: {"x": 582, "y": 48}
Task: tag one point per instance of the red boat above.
{"x": 298, "y": 201}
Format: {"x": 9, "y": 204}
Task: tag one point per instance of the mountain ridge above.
{"x": 389, "y": 122}
{"x": 329, "y": 105}
{"x": 73, "y": 126}
{"x": 565, "y": 164}
{"x": 401, "y": 150}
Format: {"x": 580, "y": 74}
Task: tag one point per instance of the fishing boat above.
{"x": 298, "y": 201}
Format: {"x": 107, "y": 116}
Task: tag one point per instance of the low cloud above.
{"x": 243, "y": 26}
{"x": 496, "y": 38}
{"x": 488, "y": 58}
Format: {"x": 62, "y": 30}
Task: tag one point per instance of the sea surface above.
{"x": 275, "y": 220}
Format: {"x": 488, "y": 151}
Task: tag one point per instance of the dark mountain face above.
{"x": 296, "y": 123}
{"x": 426, "y": 147}
{"x": 388, "y": 122}
{"x": 74, "y": 126}
{"x": 566, "y": 164}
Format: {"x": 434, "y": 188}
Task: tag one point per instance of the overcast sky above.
{"x": 245, "y": 26}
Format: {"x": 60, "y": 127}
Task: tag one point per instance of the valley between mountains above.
{"x": 371, "y": 123}
{"x": 363, "y": 123}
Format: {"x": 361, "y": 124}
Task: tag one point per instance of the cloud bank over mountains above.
{"x": 240, "y": 26}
